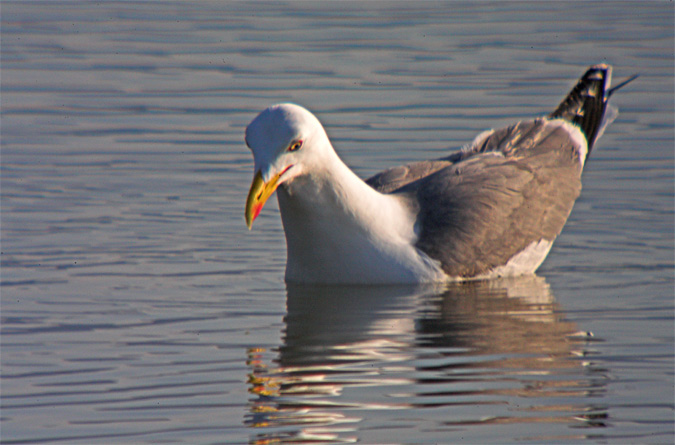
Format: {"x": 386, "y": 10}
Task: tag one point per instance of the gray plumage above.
{"x": 479, "y": 207}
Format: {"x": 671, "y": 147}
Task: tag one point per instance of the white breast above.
{"x": 327, "y": 243}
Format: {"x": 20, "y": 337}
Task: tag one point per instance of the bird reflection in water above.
{"x": 503, "y": 346}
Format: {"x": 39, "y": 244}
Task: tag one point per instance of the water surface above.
{"x": 137, "y": 308}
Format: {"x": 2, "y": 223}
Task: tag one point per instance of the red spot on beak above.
{"x": 256, "y": 211}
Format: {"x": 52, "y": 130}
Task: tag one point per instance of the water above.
{"x": 137, "y": 308}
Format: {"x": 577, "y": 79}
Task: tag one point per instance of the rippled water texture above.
{"x": 137, "y": 308}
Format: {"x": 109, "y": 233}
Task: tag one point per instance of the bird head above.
{"x": 286, "y": 140}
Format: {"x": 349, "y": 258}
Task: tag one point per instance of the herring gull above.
{"x": 489, "y": 210}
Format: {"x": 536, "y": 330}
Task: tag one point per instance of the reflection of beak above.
{"x": 258, "y": 195}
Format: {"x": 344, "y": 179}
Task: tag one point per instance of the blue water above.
{"x": 137, "y": 308}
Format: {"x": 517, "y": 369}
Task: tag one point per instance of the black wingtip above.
{"x": 585, "y": 105}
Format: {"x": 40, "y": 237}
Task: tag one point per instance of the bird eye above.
{"x": 295, "y": 146}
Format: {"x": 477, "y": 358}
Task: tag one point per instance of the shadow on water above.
{"x": 348, "y": 351}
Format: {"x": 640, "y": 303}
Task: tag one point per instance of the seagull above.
{"x": 491, "y": 209}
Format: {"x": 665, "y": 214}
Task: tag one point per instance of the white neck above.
{"x": 340, "y": 230}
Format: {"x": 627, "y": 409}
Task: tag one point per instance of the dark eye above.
{"x": 295, "y": 146}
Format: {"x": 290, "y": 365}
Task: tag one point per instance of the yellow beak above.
{"x": 258, "y": 195}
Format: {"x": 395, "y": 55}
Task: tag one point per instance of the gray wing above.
{"x": 512, "y": 187}
{"x": 397, "y": 177}
{"x": 481, "y": 206}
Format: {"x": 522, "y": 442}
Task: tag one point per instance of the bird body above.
{"x": 492, "y": 209}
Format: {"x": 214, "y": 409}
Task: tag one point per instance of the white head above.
{"x": 286, "y": 141}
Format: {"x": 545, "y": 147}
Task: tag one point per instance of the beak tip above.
{"x": 249, "y": 217}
